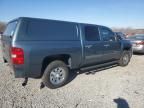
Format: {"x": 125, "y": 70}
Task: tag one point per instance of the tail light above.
{"x": 140, "y": 43}
{"x": 17, "y": 55}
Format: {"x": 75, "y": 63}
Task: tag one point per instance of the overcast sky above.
{"x": 112, "y": 13}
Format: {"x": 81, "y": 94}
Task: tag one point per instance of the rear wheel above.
{"x": 55, "y": 74}
{"x": 125, "y": 58}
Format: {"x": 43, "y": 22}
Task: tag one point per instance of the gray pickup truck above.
{"x": 49, "y": 49}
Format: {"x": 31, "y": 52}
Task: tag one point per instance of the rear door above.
{"x": 93, "y": 50}
{"x": 111, "y": 45}
{"x": 7, "y": 39}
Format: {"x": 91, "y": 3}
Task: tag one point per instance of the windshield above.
{"x": 9, "y": 31}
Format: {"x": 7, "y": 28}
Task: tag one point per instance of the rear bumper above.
{"x": 18, "y": 70}
{"x": 139, "y": 49}
{"x": 21, "y": 71}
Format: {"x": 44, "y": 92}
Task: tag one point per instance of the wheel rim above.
{"x": 57, "y": 75}
{"x": 125, "y": 59}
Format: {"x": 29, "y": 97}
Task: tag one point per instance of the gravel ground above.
{"x": 116, "y": 87}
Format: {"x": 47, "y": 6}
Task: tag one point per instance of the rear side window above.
{"x": 92, "y": 33}
{"x": 107, "y": 34}
{"x": 51, "y": 30}
{"x": 10, "y": 29}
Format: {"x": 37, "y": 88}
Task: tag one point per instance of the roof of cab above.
{"x": 30, "y": 18}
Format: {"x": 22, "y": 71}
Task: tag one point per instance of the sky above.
{"x": 111, "y": 13}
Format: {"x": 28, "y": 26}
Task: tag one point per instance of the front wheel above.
{"x": 125, "y": 58}
{"x": 56, "y": 74}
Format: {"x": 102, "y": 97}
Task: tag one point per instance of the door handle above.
{"x": 88, "y": 46}
{"x": 106, "y": 45}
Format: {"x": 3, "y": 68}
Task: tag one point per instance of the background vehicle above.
{"x": 48, "y": 49}
{"x": 137, "y": 43}
{"x": 0, "y": 35}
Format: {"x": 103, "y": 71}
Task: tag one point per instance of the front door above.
{"x": 112, "y": 46}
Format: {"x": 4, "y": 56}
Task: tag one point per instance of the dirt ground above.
{"x": 115, "y": 87}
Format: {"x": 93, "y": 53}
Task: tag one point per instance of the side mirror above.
{"x": 118, "y": 37}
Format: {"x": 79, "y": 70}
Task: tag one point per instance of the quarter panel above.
{"x": 36, "y": 51}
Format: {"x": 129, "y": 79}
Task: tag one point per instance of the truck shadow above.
{"x": 72, "y": 75}
{"x": 75, "y": 73}
{"x": 121, "y": 103}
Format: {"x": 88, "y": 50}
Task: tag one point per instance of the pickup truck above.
{"x": 49, "y": 49}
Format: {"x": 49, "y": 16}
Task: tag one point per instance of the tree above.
{"x": 2, "y": 26}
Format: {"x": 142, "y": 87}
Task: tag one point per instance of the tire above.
{"x": 125, "y": 59}
{"x": 56, "y": 74}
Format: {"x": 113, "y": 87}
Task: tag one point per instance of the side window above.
{"x": 107, "y": 34}
{"x": 10, "y": 29}
{"x": 119, "y": 37}
{"x": 52, "y": 30}
{"x": 92, "y": 33}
